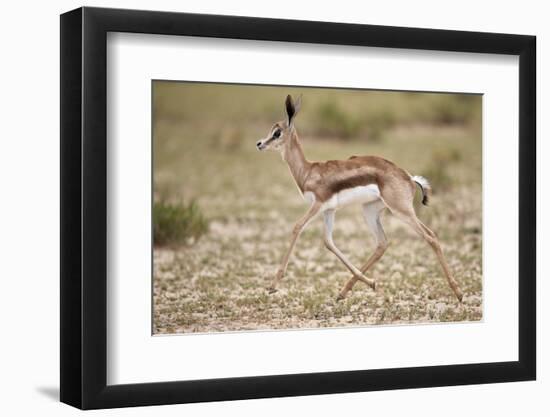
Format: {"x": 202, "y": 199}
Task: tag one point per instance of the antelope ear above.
{"x": 290, "y": 109}
{"x": 297, "y": 105}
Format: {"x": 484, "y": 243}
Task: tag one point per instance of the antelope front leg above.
{"x": 296, "y": 231}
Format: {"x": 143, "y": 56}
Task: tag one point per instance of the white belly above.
{"x": 357, "y": 195}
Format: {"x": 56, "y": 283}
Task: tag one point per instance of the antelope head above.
{"x": 281, "y": 132}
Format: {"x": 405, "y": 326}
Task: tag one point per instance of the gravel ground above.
{"x": 218, "y": 283}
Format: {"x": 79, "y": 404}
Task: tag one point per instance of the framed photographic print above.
{"x": 256, "y": 208}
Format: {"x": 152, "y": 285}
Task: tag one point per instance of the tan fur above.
{"x": 325, "y": 179}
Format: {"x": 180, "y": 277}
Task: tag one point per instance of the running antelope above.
{"x": 371, "y": 181}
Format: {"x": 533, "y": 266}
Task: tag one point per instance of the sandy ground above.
{"x": 218, "y": 283}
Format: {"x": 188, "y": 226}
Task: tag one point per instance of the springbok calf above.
{"x": 371, "y": 181}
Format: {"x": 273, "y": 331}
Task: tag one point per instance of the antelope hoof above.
{"x": 340, "y": 297}
{"x": 271, "y": 290}
{"x": 370, "y": 282}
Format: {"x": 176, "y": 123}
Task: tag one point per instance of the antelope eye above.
{"x": 277, "y": 134}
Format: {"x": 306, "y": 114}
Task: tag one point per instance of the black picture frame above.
{"x": 84, "y": 207}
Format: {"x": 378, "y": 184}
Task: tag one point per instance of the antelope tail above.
{"x": 425, "y": 186}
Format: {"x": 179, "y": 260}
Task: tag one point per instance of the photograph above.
{"x": 253, "y": 209}
{"x": 297, "y": 207}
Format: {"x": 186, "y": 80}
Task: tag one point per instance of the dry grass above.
{"x": 251, "y": 203}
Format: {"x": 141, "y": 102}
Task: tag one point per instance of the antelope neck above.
{"x": 293, "y": 155}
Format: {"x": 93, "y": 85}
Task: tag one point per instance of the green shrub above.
{"x": 378, "y": 122}
{"x": 459, "y": 109}
{"x": 177, "y": 224}
{"x": 333, "y": 121}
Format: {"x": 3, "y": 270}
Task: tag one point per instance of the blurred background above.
{"x": 223, "y": 211}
